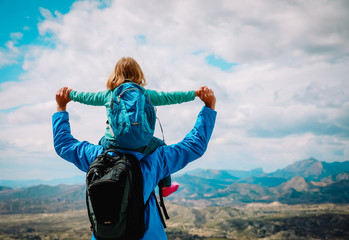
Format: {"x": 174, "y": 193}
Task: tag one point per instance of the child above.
{"x": 127, "y": 69}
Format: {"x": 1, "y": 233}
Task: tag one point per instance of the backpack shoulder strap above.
{"x": 159, "y": 209}
{"x": 162, "y": 204}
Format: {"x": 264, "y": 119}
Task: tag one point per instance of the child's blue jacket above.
{"x": 162, "y": 162}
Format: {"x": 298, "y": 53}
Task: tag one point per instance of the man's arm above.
{"x": 173, "y": 158}
{"x": 81, "y": 154}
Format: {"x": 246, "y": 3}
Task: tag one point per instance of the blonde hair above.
{"x": 126, "y": 68}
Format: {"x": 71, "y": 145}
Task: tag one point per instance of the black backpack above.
{"x": 114, "y": 197}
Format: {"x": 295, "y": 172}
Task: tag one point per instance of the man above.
{"x": 162, "y": 162}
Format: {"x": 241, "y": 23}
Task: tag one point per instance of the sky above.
{"x": 279, "y": 70}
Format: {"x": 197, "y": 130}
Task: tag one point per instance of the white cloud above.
{"x": 9, "y": 55}
{"x": 287, "y": 99}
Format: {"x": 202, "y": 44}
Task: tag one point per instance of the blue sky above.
{"x": 23, "y": 16}
{"x": 18, "y": 24}
{"x": 279, "y": 70}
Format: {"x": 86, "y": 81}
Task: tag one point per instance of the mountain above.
{"x": 306, "y": 181}
{"x": 4, "y": 188}
{"x": 311, "y": 169}
{"x": 225, "y": 174}
{"x": 266, "y": 181}
{"x": 42, "y": 199}
{"x": 34, "y": 182}
{"x": 334, "y": 168}
{"x": 297, "y": 183}
{"x": 303, "y": 182}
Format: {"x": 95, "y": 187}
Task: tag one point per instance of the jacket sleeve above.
{"x": 81, "y": 154}
{"x": 172, "y": 158}
{"x": 94, "y": 99}
{"x": 168, "y": 98}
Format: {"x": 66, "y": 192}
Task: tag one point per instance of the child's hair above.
{"x": 126, "y": 68}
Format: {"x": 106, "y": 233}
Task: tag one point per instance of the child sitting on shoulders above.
{"x": 128, "y": 70}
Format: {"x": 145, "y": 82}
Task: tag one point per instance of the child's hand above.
{"x": 198, "y": 91}
{"x": 207, "y": 96}
{"x": 62, "y": 98}
{"x": 68, "y": 91}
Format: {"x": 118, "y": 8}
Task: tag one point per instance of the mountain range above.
{"x": 303, "y": 182}
{"x": 306, "y": 181}
{"x": 33, "y": 182}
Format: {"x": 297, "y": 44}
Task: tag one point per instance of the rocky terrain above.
{"x": 306, "y": 200}
{"x": 305, "y": 182}
{"x": 253, "y": 221}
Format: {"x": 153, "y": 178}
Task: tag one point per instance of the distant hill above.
{"x": 307, "y": 181}
{"x": 311, "y": 169}
{"x": 306, "y": 168}
{"x": 34, "y": 182}
{"x": 42, "y": 199}
{"x": 4, "y": 188}
{"x": 224, "y": 174}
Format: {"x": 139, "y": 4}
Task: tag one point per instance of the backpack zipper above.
{"x": 119, "y": 97}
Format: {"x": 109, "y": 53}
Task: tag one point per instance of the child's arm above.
{"x": 94, "y": 99}
{"x": 168, "y": 98}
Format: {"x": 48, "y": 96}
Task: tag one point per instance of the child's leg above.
{"x": 106, "y": 143}
{"x": 103, "y": 142}
{"x": 165, "y": 182}
{"x": 166, "y": 187}
{"x": 153, "y": 144}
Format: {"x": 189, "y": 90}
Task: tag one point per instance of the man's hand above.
{"x": 199, "y": 91}
{"x": 62, "y": 98}
{"x": 207, "y": 96}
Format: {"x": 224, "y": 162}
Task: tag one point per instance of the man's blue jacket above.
{"x": 162, "y": 162}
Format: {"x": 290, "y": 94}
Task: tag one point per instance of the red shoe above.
{"x": 166, "y": 191}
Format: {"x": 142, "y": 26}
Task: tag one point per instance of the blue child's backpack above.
{"x": 132, "y": 116}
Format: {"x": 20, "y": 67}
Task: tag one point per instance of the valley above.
{"x": 307, "y": 200}
{"x": 253, "y": 221}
